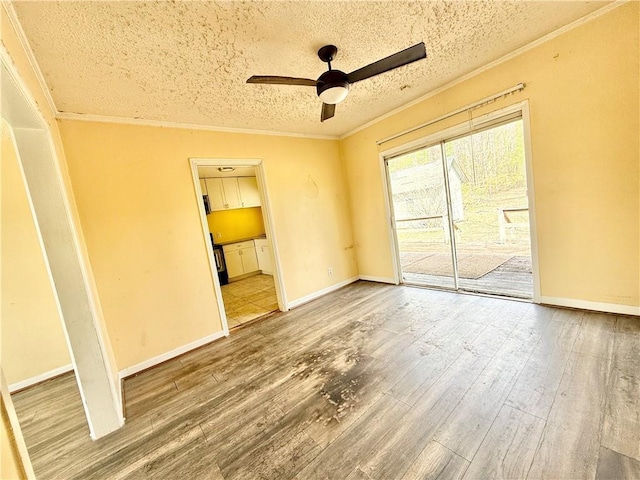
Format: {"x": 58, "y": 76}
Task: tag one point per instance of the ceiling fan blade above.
{"x": 409, "y": 55}
{"x": 271, "y": 80}
{"x": 328, "y": 110}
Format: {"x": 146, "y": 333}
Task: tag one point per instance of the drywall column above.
{"x": 46, "y": 191}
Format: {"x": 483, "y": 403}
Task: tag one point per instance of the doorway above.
{"x": 237, "y": 227}
{"x": 460, "y": 210}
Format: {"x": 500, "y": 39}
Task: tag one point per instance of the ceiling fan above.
{"x": 333, "y": 85}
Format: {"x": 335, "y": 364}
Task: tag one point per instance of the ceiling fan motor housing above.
{"x": 332, "y": 86}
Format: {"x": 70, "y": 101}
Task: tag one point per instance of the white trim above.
{"x": 390, "y": 217}
{"x": 452, "y": 228}
{"x": 270, "y": 228}
{"x": 26, "y": 47}
{"x": 372, "y": 278}
{"x": 490, "y": 65}
{"x": 152, "y": 362}
{"x": 313, "y": 296}
{"x": 88, "y": 117}
{"x": 589, "y": 305}
{"x": 210, "y": 255}
{"x": 43, "y": 377}
{"x": 531, "y": 199}
{"x": 266, "y": 214}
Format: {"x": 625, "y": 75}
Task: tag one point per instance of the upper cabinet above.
{"x": 232, "y": 192}
{"x": 249, "y": 194}
{"x": 216, "y": 195}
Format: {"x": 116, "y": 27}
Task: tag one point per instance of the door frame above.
{"x": 268, "y": 224}
{"x": 446, "y": 134}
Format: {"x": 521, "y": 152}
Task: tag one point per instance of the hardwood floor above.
{"x": 370, "y": 382}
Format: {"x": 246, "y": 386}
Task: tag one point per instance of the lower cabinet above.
{"x": 240, "y": 258}
{"x": 263, "y": 252}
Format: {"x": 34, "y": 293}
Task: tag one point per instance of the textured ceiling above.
{"x": 188, "y": 62}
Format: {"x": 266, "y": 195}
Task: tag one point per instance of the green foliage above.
{"x": 491, "y": 159}
{"x": 491, "y": 166}
{"x": 414, "y": 159}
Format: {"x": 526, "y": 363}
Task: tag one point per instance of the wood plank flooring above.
{"x": 370, "y": 382}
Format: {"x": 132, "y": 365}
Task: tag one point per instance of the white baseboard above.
{"x": 14, "y": 387}
{"x": 307, "y": 298}
{"x": 587, "y": 305}
{"x": 371, "y": 278}
{"x": 127, "y": 372}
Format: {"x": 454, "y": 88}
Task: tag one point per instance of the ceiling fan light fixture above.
{"x": 334, "y": 94}
{"x": 332, "y": 87}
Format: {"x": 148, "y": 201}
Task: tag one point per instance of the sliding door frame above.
{"x": 462, "y": 129}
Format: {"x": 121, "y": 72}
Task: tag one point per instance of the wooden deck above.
{"x": 512, "y": 279}
{"x": 370, "y": 382}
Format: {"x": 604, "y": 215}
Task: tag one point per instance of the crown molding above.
{"x": 26, "y": 46}
{"x": 87, "y": 117}
{"x": 490, "y": 65}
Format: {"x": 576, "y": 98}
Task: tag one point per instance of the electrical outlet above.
{"x": 219, "y": 234}
{"x": 330, "y": 271}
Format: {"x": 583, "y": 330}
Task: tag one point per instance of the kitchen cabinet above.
{"x": 240, "y": 258}
{"x": 233, "y": 261}
{"x": 203, "y": 186}
{"x": 231, "y": 192}
{"x": 263, "y": 253}
{"x": 216, "y": 196}
{"x": 249, "y": 194}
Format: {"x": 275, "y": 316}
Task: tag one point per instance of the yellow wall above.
{"x": 583, "y": 89}
{"x": 237, "y": 224}
{"x": 32, "y": 338}
{"x": 139, "y": 212}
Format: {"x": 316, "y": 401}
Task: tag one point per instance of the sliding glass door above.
{"x": 461, "y": 215}
{"x": 421, "y": 217}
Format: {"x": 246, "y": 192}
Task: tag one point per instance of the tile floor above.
{"x": 249, "y": 298}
